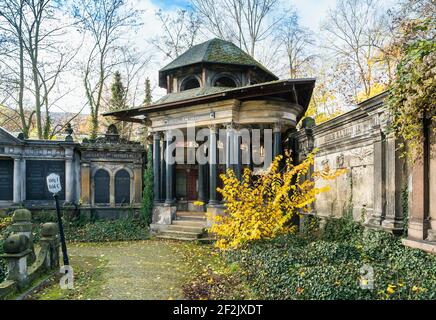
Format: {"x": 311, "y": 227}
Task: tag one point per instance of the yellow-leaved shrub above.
{"x": 262, "y": 206}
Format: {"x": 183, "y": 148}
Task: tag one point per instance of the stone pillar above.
{"x": 238, "y": 156}
{"x": 69, "y": 175}
{"x": 85, "y": 181}
{"x": 112, "y": 189}
{"x": 419, "y": 206}
{"x": 16, "y": 248}
{"x": 230, "y": 147}
{"x": 50, "y": 244}
{"x": 393, "y": 218}
{"x": 250, "y": 153}
{"x": 17, "y": 180}
{"x": 156, "y": 167}
{"x": 170, "y": 199}
{"x": 163, "y": 173}
{"x": 201, "y": 182}
{"x": 277, "y": 138}
{"x": 418, "y": 223}
{"x": 213, "y": 163}
{"x": 137, "y": 183}
{"x": 22, "y": 224}
{"x": 379, "y": 179}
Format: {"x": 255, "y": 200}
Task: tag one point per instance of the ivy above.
{"x": 412, "y": 95}
{"x": 147, "y": 195}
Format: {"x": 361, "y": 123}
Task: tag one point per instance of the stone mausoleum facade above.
{"x": 101, "y": 177}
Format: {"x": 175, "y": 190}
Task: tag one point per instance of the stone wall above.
{"x": 359, "y": 140}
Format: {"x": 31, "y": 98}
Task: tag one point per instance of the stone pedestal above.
{"x": 22, "y": 224}
{"x": 164, "y": 214}
{"x": 17, "y": 250}
{"x": 50, "y": 243}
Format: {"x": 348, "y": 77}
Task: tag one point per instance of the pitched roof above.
{"x": 295, "y": 90}
{"x": 215, "y": 51}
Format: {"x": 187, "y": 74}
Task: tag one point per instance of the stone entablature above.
{"x": 359, "y": 141}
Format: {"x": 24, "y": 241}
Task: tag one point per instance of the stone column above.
{"x": 201, "y": 182}
{"x": 85, "y": 180}
{"x": 163, "y": 173}
{"x": 137, "y": 183}
{"x": 238, "y": 156}
{"x": 393, "y": 219}
{"x": 17, "y": 181}
{"x": 419, "y": 206}
{"x": 169, "y": 200}
{"x": 156, "y": 167}
{"x": 379, "y": 179}
{"x": 230, "y": 147}
{"x": 213, "y": 163}
{"x": 69, "y": 175}
{"x": 250, "y": 152}
{"x": 277, "y": 137}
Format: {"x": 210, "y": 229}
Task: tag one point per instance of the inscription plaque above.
{"x": 101, "y": 186}
{"x": 122, "y": 187}
{"x": 36, "y": 173}
{"x": 6, "y": 180}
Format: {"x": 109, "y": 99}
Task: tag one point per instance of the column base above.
{"x": 374, "y": 222}
{"x": 393, "y": 225}
{"x": 417, "y": 229}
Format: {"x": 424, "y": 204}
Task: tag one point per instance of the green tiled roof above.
{"x": 215, "y": 51}
{"x": 189, "y": 94}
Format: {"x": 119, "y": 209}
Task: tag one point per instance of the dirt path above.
{"x": 150, "y": 269}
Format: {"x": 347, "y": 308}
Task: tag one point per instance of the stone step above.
{"x": 191, "y": 218}
{"x": 166, "y": 237}
{"x": 196, "y": 229}
{"x": 190, "y": 223}
{"x": 190, "y": 214}
{"x": 179, "y": 234}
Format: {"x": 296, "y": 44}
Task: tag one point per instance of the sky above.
{"x": 311, "y": 13}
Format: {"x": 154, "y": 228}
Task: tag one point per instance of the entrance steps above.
{"x": 188, "y": 226}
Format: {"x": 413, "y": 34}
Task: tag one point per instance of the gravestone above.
{"x": 122, "y": 187}
{"x": 101, "y": 186}
{"x": 6, "y": 179}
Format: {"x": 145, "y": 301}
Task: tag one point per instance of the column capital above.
{"x": 277, "y": 126}
{"x": 157, "y": 135}
{"x": 213, "y": 128}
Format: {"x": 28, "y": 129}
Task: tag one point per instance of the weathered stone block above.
{"x": 164, "y": 214}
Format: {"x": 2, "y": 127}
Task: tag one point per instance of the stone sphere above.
{"x": 16, "y": 243}
{"x": 22, "y": 215}
{"x": 49, "y": 229}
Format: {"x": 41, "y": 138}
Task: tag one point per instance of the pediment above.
{"x": 7, "y": 138}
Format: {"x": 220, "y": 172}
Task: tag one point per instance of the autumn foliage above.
{"x": 262, "y": 206}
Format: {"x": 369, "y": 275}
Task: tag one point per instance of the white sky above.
{"x": 311, "y": 13}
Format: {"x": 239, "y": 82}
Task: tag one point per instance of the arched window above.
{"x": 190, "y": 83}
{"x": 122, "y": 187}
{"x": 101, "y": 186}
{"x": 225, "y": 82}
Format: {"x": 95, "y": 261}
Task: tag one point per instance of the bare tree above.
{"x": 297, "y": 42}
{"x": 180, "y": 32}
{"x": 35, "y": 32}
{"x": 104, "y": 22}
{"x": 11, "y": 26}
{"x": 355, "y": 30}
{"x": 246, "y": 23}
